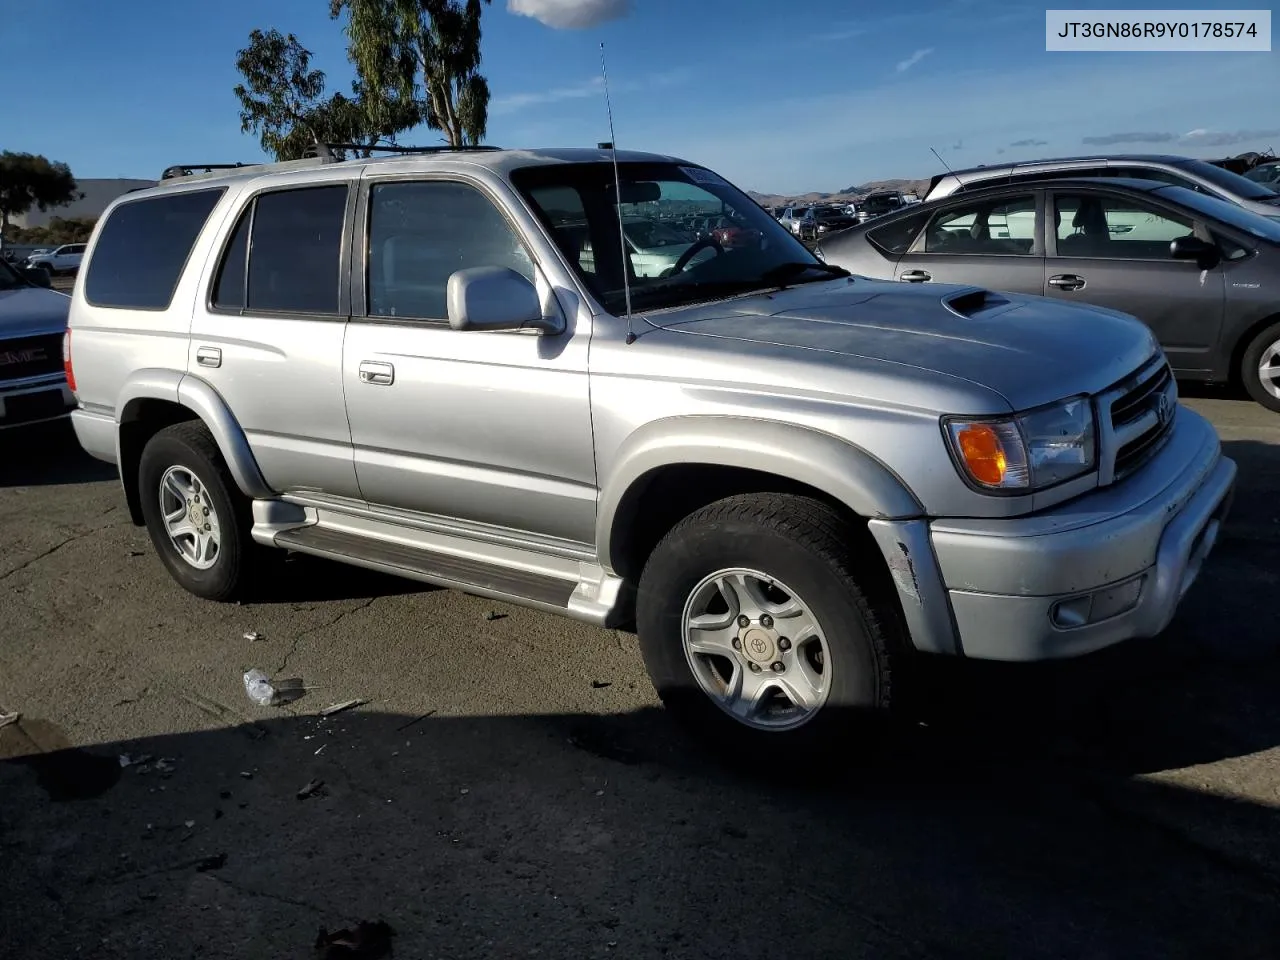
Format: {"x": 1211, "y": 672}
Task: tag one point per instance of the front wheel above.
{"x": 197, "y": 518}
{"x": 1260, "y": 368}
{"x": 760, "y": 625}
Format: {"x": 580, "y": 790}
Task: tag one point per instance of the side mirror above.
{"x": 37, "y": 276}
{"x": 495, "y": 298}
{"x": 1206, "y": 255}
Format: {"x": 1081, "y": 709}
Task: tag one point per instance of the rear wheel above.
{"x": 760, "y": 626}
{"x": 198, "y": 519}
{"x": 1260, "y": 368}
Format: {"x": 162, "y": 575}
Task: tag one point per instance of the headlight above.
{"x": 1026, "y": 451}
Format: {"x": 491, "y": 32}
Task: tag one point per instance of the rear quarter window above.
{"x": 143, "y": 247}
{"x": 895, "y": 238}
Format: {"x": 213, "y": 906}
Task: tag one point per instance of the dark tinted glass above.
{"x": 896, "y": 237}
{"x": 295, "y": 259}
{"x": 421, "y": 233}
{"x": 229, "y": 291}
{"x": 143, "y": 247}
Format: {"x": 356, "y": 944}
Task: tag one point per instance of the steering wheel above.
{"x": 697, "y": 247}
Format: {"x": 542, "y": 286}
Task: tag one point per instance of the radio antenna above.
{"x": 617, "y": 196}
{"x": 944, "y": 163}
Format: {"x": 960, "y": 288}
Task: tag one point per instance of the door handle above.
{"x": 916, "y": 276}
{"x": 209, "y": 357}
{"x": 383, "y": 374}
{"x": 1067, "y": 281}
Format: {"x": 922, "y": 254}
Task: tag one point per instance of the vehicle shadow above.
{"x": 585, "y": 836}
{"x": 300, "y": 578}
{"x": 48, "y": 454}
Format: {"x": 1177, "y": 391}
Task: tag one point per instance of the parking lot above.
{"x": 511, "y": 788}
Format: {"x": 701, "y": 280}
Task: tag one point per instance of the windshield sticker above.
{"x": 701, "y": 175}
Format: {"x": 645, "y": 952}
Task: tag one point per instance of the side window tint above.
{"x": 296, "y": 252}
{"x": 421, "y": 233}
{"x": 567, "y": 218}
{"x": 143, "y": 248}
{"x": 998, "y": 227}
{"x": 1092, "y": 226}
{"x": 896, "y": 238}
{"x": 228, "y": 291}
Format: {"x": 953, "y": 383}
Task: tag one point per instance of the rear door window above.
{"x": 143, "y": 247}
{"x": 295, "y": 253}
{"x": 895, "y": 238}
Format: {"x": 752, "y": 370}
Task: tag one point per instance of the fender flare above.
{"x": 815, "y": 458}
{"x": 205, "y": 402}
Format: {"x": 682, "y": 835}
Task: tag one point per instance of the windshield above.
{"x": 1268, "y": 228}
{"x": 1233, "y": 183}
{"x": 831, "y": 214}
{"x": 880, "y": 204}
{"x": 1268, "y": 174}
{"x": 749, "y": 250}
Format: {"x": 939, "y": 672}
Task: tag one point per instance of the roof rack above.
{"x": 328, "y": 149}
{"x": 319, "y": 153}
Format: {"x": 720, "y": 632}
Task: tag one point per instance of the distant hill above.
{"x": 856, "y": 192}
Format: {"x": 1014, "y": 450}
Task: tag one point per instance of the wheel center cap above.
{"x": 759, "y": 645}
{"x": 197, "y": 518}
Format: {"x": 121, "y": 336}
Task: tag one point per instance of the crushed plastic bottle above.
{"x": 258, "y": 686}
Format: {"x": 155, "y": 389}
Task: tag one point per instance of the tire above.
{"x": 1264, "y": 348}
{"x": 806, "y": 548}
{"x": 181, "y": 452}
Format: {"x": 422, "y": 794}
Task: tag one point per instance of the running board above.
{"x": 583, "y": 591}
{"x": 460, "y": 572}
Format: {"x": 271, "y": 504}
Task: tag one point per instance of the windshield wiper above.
{"x": 792, "y": 269}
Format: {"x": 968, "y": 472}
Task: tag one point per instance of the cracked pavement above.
{"x": 512, "y": 789}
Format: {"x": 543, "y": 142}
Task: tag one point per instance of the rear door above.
{"x": 1111, "y": 248}
{"x": 991, "y": 241}
{"x": 268, "y": 329}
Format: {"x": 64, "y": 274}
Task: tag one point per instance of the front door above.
{"x": 992, "y": 243}
{"x": 267, "y": 335}
{"x": 486, "y": 428}
{"x": 1113, "y": 250}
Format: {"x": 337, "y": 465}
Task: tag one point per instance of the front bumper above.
{"x": 1106, "y": 567}
{"x": 35, "y": 400}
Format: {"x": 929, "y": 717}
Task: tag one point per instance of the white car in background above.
{"x": 654, "y": 247}
{"x": 64, "y": 259}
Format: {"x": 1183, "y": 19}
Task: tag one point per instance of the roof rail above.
{"x": 197, "y": 171}
{"x": 328, "y": 149}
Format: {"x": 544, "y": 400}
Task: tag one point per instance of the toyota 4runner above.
{"x": 786, "y": 478}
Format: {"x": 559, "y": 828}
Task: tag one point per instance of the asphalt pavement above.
{"x": 511, "y": 788}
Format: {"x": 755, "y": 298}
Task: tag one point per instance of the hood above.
{"x": 31, "y": 310}
{"x": 1030, "y": 350}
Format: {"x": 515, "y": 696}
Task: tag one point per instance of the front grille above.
{"x": 30, "y": 356}
{"x": 1141, "y": 417}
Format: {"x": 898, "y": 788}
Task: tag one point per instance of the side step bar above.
{"x": 461, "y": 573}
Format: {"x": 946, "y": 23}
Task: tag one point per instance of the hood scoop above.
{"x": 976, "y": 302}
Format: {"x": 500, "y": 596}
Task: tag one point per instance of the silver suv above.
{"x": 790, "y": 480}
{"x": 1199, "y": 175}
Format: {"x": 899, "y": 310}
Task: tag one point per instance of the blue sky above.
{"x": 779, "y": 97}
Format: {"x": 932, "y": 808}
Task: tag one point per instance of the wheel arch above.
{"x": 154, "y": 399}
{"x": 671, "y": 467}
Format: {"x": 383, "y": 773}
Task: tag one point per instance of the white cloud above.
{"x": 571, "y": 14}
{"x": 587, "y": 88}
{"x": 905, "y": 65}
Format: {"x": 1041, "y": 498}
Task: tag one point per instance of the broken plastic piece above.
{"x": 8, "y": 718}
{"x": 310, "y": 789}
{"x": 253, "y": 636}
{"x": 339, "y": 707}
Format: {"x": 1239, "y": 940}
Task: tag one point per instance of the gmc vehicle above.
{"x": 789, "y": 480}
{"x": 33, "y": 324}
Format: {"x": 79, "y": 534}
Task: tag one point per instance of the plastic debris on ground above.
{"x": 265, "y": 693}
{"x": 311, "y": 789}
{"x": 8, "y": 718}
{"x": 253, "y": 636}
{"x": 344, "y": 705}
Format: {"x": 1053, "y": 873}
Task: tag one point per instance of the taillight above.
{"x": 66, "y": 361}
